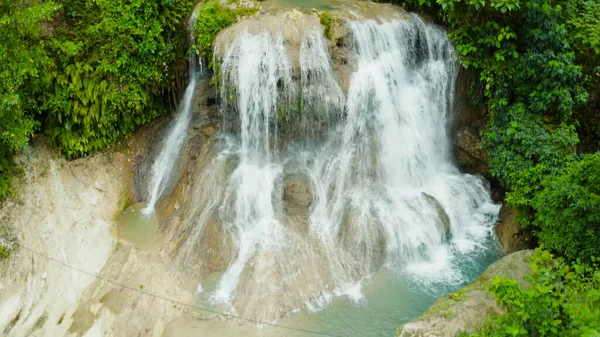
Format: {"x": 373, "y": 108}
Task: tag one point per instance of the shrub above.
{"x": 326, "y": 19}
{"x": 561, "y": 300}
{"x": 213, "y": 18}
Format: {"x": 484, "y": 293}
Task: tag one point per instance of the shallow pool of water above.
{"x": 137, "y": 228}
{"x": 376, "y": 308}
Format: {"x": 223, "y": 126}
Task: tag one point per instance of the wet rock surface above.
{"x": 510, "y": 233}
{"x": 297, "y": 199}
{"x": 471, "y": 157}
{"x": 443, "y": 222}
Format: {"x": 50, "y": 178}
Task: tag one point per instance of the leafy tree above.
{"x": 88, "y": 76}
{"x": 583, "y": 21}
{"x": 524, "y": 151}
{"x": 213, "y": 18}
{"x": 568, "y": 209}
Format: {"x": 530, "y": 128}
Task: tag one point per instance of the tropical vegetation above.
{"x": 89, "y": 73}
{"x": 86, "y": 73}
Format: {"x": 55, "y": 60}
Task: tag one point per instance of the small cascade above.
{"x": 257, "y": 72}
{"x": 321, "y": 102}
{"x": 165, "y": 162}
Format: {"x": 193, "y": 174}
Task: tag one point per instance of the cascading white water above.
{"x": 384, "y": 189}
{"x": 257, "y": 64}
{"x": 165, "y": 162}
{"x": 389, "y": 163}
{"x": 321, "y": 96}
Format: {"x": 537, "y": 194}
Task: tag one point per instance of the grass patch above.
{"x": 326, "y": 19}
{"x": 457, "y": 296}
{"x": 7, "y": 239}
{"x": 4, "y": 253}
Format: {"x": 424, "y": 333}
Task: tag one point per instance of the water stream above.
{"x": 171, "y": 147}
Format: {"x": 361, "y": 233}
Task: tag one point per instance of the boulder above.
{"x": 511, "y": 235}
{"x": 471, "y": 157}
{"x": 363, "y": 239}
{"x": 297, "y": 199}
{"x": 467, "y": 308}
{"x": 443, "y": 222}
{"x": 297, "y": 193}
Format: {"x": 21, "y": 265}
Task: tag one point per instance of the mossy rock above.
{"x": 470, "y": 306}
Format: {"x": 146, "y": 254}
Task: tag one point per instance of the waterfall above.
{"x": 165, "y": 162}
{"x": 378, "y": 186}
{"x": 388, "y": 168}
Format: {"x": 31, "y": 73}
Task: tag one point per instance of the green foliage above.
{"x": 561, "y": 300}
{"x": 523, "y": 151}
{"x": 326, "y": 19}
{"x": 24, "y": 59}
{"x": 88, "y": 76}
{"x": 213, "y": 18}
{"x": 568, "y": 209}
{"x": 115, "y": 67}
{"x": 3, "y": 253}
{"x": 583, "y": 20}
{"x": 457, "y": 296}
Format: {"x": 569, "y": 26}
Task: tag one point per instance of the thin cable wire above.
{"x": 172, "y": 300}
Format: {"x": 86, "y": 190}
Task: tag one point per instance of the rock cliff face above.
{"x": 510, "y": 233}
{"x": 467, "y": 308}
{"x": 470, "y": 119}
{"x": 66, "y": 211}
{"x": 471, "y": 157}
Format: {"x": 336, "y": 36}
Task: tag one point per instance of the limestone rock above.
{"x": 363, "y": 239}
{"x": 470, "y": 306}
{"x": 510, "y": 234}
{"x": 443, "y": 218}
{"x": 301, "y": 275}
{"x": 297, "y": 193}
{"x": 471, "y": 157}
{"x": 297, "y": 199}
{"x": 209, "y": 130}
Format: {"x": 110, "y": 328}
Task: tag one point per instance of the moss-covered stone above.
{"x": 466, "y": 308}
{"x": 326, "y": 20}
